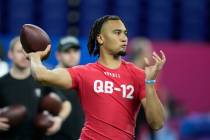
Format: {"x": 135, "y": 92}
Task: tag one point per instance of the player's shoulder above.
{"x": 133, "y": 67}
{"x": 85, "y": 67}
{"x": 5, "y": 78}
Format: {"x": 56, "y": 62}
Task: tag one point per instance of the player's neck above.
{"x": 20, "y": 74}
{"x": 110, "y": 61}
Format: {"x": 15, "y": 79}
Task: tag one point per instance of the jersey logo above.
{"x": 114, "y": 75}
{"x": 107, "y": 87}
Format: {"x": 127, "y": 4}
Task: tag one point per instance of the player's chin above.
{"x": 121, "y": 53}
{"x": 23, "y": 65}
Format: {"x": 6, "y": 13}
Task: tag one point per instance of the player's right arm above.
{"x": 59, "y": 77}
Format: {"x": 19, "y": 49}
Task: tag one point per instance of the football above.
{"x": 43, "y": 122}
{"x": 14, "y": 113}
{"x": 52, "y": 103}
{"x": 33, "y": 38}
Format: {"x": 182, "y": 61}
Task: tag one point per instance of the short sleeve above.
{"x": 142, "y": 93}
{"x": 140, "y": 80}
{"x": 75, "y": 75}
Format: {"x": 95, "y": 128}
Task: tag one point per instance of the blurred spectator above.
{"x": 68, "y": 55}
{"x": 138, "y": 49}
{"x": 4, "y": 67}
{"x": 19, "y": 87}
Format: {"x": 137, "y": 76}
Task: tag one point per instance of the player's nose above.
{"x": 124, "y": 38}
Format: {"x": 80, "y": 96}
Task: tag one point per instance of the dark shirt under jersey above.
{"x": 26, "y": 92}
{"x": 72, "y": 126}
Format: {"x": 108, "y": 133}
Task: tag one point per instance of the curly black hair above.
{"x": 93, "y": 45}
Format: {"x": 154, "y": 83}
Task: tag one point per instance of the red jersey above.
{"x": 110, "y": 99}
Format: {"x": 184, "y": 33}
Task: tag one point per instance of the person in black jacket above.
{"x": 19, "y": 87}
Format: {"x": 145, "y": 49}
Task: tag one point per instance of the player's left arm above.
{"x": 154, "y": 110}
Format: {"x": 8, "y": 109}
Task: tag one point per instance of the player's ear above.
{"x": 100, "y": 39}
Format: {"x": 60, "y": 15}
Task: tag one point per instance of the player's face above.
{"x": 69, "y": 58}
{"x": 17, "y": 56}
{"x": 114, "y": 37}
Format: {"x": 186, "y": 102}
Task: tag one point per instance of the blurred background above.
{"x": 179, "y": 27}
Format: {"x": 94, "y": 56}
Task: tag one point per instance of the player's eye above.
{"x": 117, "y": 32}
{"x": 126, "y": 33}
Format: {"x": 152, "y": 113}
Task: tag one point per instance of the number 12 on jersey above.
{"x": 107, "y": 87}
{"x": 130, "y": 89}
